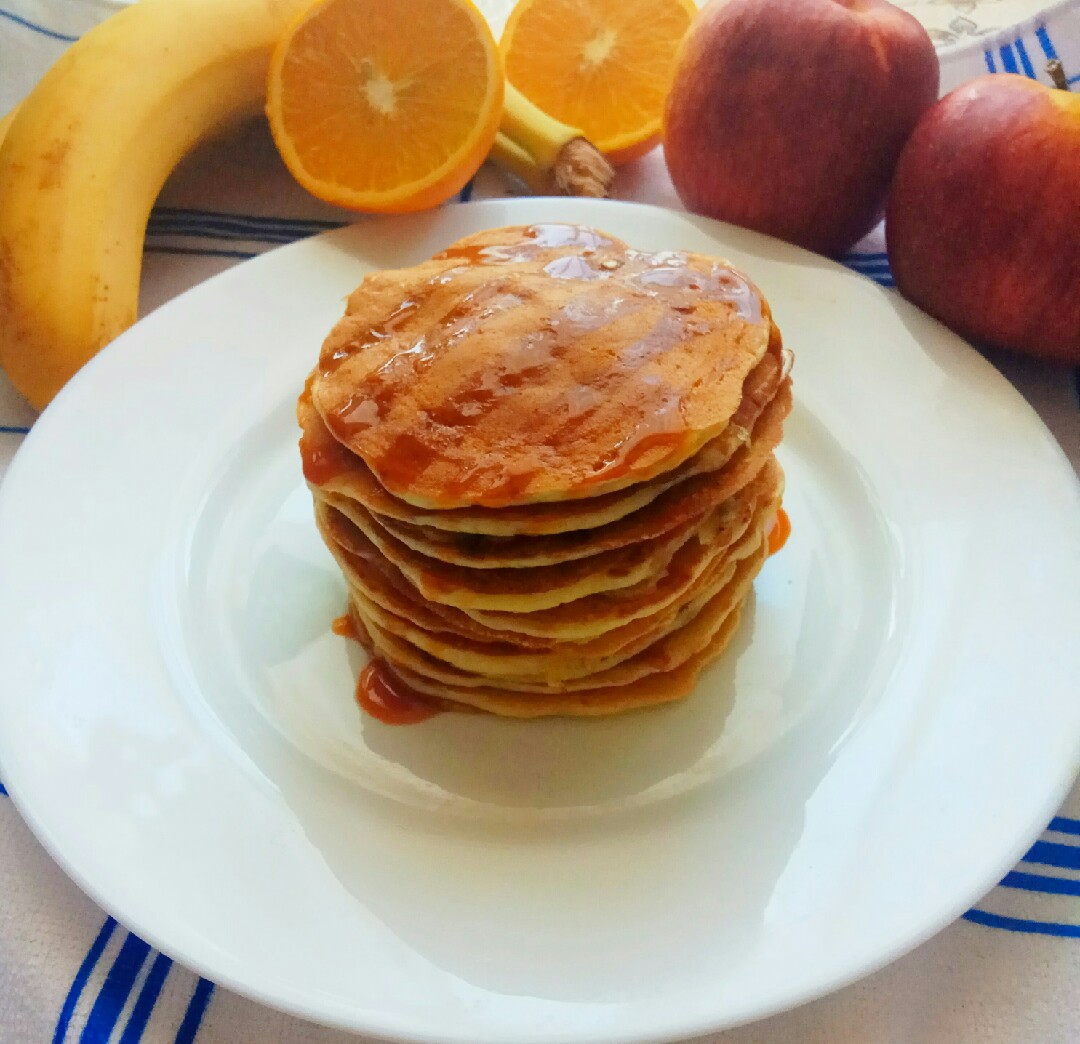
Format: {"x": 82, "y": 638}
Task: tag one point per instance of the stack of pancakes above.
{"x": 544, "y": 463}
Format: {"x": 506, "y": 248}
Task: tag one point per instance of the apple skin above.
{"x": 788, "y": 116}
{"x": 983, "y": 226}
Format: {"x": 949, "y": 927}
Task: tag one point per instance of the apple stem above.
{"x": 1057, "y": 73}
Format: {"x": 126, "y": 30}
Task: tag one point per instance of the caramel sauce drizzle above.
{"x": 661, "y": 425}
{"x": 384, "y": 696}
{"x": 380, "y": 692}
{"x": 344, "y": 627}
{"x": 781, "y": 530}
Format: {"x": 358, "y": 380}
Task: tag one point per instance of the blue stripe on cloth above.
{"x": 252, "y": 222}
{"x": 1025, "y": 61}
{"x": 14, "y": 429}
{"x": 1008, "y": 61}
{"x": 3, "y": 790}
{"x": 238, "y": 255}
{"x": 989, "y": 58}
{"x": 198, "y": 231}
{"x": 200, "y": 1000}
{"x": 466, "y": 193}
{"x": 224, "y": 226}
{"x": 148, "y": 995}
{"x": 1049, "y": 853}
{"x": 1017, "y": 924}
{"x": 93, "y": 955}
{"x": 115, "y": 991}
{"x": 870, "y": 266}
{"x": 879, "y": 272}
{"x": 34, "y": 27}
{"x": 1062, "y": 824}
{"x": 224, "y": 230}
{"x": 1040, "y": 883}
{"x": 1045, "y": 42}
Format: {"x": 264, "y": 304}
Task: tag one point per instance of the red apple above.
{"x": 788, "y": 116}
{"x": 983, "y": 224}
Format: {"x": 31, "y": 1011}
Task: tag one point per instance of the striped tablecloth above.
{"x": 1008, "y": 971}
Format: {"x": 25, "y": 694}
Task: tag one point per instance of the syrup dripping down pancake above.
{"x": 625, "y": 364}
{"x": 681, "y": 502}
{"x": 330, "y": 466}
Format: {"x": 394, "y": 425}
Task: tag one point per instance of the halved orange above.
{"x": 385, "y": 106}
{"x": 604, "y": 66}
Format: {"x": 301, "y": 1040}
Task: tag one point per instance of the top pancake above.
{"x": 537, "y": 364}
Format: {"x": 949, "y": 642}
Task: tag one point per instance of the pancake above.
{"x": 626, "y": 363}
{"x": 534, "y": 670}
{"x": 581, "y": 620}
{"x": 544, "y": 463}
{"x": 650, "y": 691}
{"x": 499, "y": 658}
{"x": 666, "y": 653}
{"x": 330, "y": 466}
{"x": 589, "y": 616}
{"x": 682, "y": 502}
{"x": 390, "y": 598}
{"x": 649, "y": 688}
{"x": 520, "y": 590}
{"x": 379, "y": 581}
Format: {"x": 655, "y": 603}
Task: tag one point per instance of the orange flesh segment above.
{"x": 385, "y": 106}
{"x": 604, "y": 66}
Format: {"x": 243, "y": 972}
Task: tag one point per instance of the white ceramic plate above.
{"x": 895, "y": 721}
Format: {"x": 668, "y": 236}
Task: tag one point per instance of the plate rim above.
{"x": 673, "y": 1029}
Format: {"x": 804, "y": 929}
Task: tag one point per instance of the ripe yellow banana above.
{"x": 86, "y": 154}
{"x": 5, "y": 122}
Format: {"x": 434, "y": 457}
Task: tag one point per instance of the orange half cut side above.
{"x": 384, "y": 106}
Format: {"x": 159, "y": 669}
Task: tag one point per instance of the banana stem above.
{"x": 509, "y": 155}
{"x": 548, "y": 155}
{"x": 539, "y": 134}
{"x": 581, "y": 170}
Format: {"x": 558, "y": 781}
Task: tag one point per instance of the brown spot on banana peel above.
{"x": 55, "y": 160}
